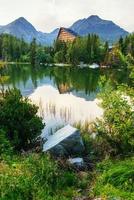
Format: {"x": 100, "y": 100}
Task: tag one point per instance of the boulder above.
{"x": 78, "y": 162}
{"x": 65, "y": 142}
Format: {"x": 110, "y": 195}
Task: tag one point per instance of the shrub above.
{"x": 116, "y": 59}
{"x": 131, "y": 74}
{"x": 5, "y": 146}
{"x": 130, "y": 59}
{"x": 115, "y": 130}
{"x": 18, "y": 117}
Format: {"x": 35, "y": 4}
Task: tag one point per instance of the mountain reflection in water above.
{"x": 58, "y": 109}
{"x": 63, "y": 94}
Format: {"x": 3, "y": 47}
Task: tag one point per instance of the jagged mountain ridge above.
{"x": 107, "y": 30}
{"x": 21, "y": 28}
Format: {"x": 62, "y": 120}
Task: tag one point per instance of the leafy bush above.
{"x": 131, "y": 74}
{"x": 115, "y": 180}
{"x": 18, "y": 117}
{"x": 115, "y": 58}
{"x": 130, "y": 59}
{"x": 115, "y": 130}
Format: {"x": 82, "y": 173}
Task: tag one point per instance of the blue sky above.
{"x": 47, "y": 15}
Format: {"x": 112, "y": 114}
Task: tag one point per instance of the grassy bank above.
{"x": 115, "y": 179}
{"x": 36, "y": 176}
{"x": 39, "y": 177}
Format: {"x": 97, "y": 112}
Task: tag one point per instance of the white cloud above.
{"x": 46, "y": 15}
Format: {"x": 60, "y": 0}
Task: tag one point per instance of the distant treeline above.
{"x": 13, "y": 49}
{"x": 88, "y": 49}
{"x": 91, "y": 49}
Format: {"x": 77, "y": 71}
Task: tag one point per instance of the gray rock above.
{"x": 65, "y": 142}
{"x": 78, "y": 162}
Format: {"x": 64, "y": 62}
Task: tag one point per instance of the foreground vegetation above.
{"x": 31, "y": 175}
{"x": 115, "y": 179}
{"x": 36, "y": 176}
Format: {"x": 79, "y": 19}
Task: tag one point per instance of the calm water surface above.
{"x": 64, "y": 95}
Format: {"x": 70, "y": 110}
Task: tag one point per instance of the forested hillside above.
{"x": 88, "y": 50}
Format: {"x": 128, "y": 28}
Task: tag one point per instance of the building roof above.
{"x": 69, "y": 31}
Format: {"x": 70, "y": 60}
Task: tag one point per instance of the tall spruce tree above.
{"x": 33, "y": 52}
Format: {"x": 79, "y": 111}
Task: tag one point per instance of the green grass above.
{"x": 115, "y": 180}
{"x": 38, "y": 177}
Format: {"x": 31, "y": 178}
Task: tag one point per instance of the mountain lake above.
{"x": 65, "y": 95}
